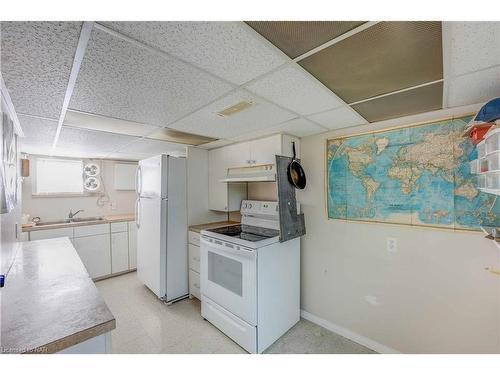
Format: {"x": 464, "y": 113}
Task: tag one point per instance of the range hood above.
{"x": 255, "y": 173}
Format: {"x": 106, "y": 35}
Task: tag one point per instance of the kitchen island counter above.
{"x": 49, "y": 302}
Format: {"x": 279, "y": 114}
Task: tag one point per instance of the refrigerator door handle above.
{"x": 137, "y": 213}
{"x": 138, "y": 180}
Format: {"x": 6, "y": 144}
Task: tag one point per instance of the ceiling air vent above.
{"x": 238, "y": 107}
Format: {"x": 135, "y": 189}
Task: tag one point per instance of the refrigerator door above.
{"x": 152, "y": 244}
{"x": 151, "y": 177}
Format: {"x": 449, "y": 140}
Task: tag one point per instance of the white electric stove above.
{"x": 250, "y": 282}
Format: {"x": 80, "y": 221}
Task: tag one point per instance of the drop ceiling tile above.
{"x": 90, "y": 141}
{"x": 207, "y": 122}
{"x": 295, "y": 89}
{"x": 474, "y": 88}
{"x": 338, "y": 118}
{"x": 154, "y": 147}
{"x": 38, "y": 135}
{"x": 472, "y": 46}
{"x": 386, "y": 57}
{"x": 126, "y": 156}
{"x": 297, "y": 127}
{"x": 423, "y": 99}
{"x": 216, "y": 144}
{"x": 227, "y": 49}
{"x": 169, "y": 135}
{"x": 121, "y": 80}
{"x": 298, "y": 37}
{"x": 107, "y": 124}
{"x": 300, "y": 128}
{"x": 36, "y": 62}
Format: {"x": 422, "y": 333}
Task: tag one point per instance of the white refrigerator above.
{"x": 161, "y": 220}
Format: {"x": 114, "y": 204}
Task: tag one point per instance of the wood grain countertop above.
{"x": 49, "y": 302}
{"x": 198, "y": 228}
{"x": 105, "y": 219}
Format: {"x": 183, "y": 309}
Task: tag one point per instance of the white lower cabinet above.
{"x": 132, "y": 245}
{"x": 95, "y": 253}
{"x": 104, "y": 249}
{"x": 50, "y": 233}
{"x": 119, "y": 252}
{"x": 194, "y": 264}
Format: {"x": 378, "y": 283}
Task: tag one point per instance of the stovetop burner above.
{"x": 246, "y": 232}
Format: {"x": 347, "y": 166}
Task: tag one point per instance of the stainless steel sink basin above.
{"x": 68, "y": 221}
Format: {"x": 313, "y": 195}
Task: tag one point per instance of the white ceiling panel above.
{"x": 474, "y": 88}
{"x": 36, "y": 62}
{"x": 230, "y": 50}
{"x": 338, "y": 118}
{"x": 108, "y": 124}
{"x": 154, "y": 147}
{"x": 206, "y": 121}
{"x": 126, "y": 156}
{"x": 298, "y": 127}
{"x": 121, "y": 80}
{"x": 295, "y": 89}
{"x": 38, "y": 135}
{"x": 216, "y": 144}
{"x": 471, "y": 45}
{"x": 89, "y": 141}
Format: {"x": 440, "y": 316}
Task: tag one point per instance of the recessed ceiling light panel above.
{"x": 232, "y": 110}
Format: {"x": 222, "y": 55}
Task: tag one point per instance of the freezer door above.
{"x": 151, "y": 177}
{"x": 152, "y": 244}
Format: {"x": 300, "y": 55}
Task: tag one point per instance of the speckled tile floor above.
{"x": 146, "y": 325}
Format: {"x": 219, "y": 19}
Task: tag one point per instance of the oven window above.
{"x": 225, "y": 272}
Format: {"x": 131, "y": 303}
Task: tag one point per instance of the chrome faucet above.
{"x": 71, "y": 215}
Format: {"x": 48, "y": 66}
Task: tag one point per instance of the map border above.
{"x": 382, "y": 130}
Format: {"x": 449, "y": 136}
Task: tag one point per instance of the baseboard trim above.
{"x": 362, "y": 340}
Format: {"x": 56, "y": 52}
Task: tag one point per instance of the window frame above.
{"x": 33, "y": 173}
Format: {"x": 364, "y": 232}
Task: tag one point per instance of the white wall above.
{"x": 432, "y": 296}
{"x": 197, "y": 185}
{"x": 55, "y": 208}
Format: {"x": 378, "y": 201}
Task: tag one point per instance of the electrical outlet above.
{"x": 392, "y": 244}
{"x": 372, "y": 300}
{"x": 113, "y": 205}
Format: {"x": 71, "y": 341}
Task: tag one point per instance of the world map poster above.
{"x": 416, "y": 175}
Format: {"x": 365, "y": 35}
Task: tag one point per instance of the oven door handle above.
{"x": 222, "y": 247}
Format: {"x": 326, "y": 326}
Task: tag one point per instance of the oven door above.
{"x": 229, "y": 277}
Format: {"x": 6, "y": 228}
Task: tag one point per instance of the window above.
{"x": 58, "y": 176}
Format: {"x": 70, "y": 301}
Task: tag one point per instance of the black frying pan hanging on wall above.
{"x": 296, "y": 175}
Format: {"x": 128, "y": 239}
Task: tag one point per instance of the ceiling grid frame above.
{"x": 85, "y": 33}
{"x": 245, "y": 85}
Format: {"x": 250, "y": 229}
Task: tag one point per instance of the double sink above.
{"x": 73, "y": 220}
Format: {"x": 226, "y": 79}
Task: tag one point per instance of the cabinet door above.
{"x": 51, "y": 233}
{"x": 119, "y": 252}
{"x": 95, "y": 253}
{"x": 238, "y": 155}
{"x": 217, "y": 170}
{"x": 132, "y": 245}
{"x": 263, "y": 151}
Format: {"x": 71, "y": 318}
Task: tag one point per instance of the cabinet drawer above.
{"x": 91, "y": 230}
{"x": 51, "y": 233}
{"x": 194, "y": 257}
{"x": 194, "y": 238}
{"x": 119, "y": 227}
{"x": 194, "y": 284}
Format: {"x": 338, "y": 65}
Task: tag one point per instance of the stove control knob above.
{"x": 245, "y": 205}
{"x": 249, "y": 205}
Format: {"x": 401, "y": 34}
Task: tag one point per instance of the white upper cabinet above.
{"x": 125, "y": 176}
{"x": 263, "y": 151}
{"x": 227, "y": 197}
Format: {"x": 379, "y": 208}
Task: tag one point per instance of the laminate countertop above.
{"x": 49, "y": 302}
{"x": 105, "y": 219}
{"x": 198, "y": 228}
